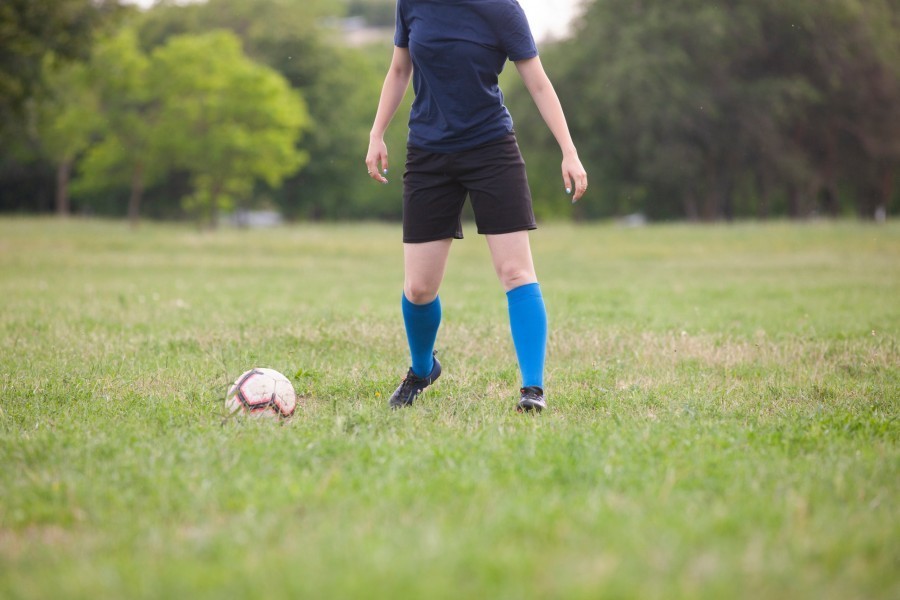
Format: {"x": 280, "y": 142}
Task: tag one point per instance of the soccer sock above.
{"x": 422, "y": 322}
{"x": 528, "y": 322}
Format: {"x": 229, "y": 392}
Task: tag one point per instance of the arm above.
{"x": 395, "y": 84}
{"x": 544, "y": 96}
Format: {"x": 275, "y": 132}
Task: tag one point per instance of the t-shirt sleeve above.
{"x": 515, "y": 34}
{"x": 401, "y": 33}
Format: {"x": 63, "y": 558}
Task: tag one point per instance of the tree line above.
{"x": 737, "y": 108}
{"x": 682, "y": 109}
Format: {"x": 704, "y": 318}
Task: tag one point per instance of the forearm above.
{"x": 395, "y": 84}
{"x": 548, "y": 105}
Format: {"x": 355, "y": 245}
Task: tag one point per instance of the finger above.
{"x": 372, "y": 170}
{"x": 379, "y": 176}
{"x": 580, "y": 189}
{"x": 567, "y": 182}
{"x": 372, "y": 167}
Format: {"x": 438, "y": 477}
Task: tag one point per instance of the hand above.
{"x": 377, "y": 157}
{"x": 573, "y": 173}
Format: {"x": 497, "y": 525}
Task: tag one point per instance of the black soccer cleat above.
{"x": 532, "y": 398}
{"x": 412, "y": 385}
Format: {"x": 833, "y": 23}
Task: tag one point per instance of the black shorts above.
{"x": 435, "y": 186}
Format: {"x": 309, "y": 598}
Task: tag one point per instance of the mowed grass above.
{"x": 723, "y": 418}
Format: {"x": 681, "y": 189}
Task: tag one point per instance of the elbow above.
{"x": 540, "y": 90}
{"x": 539, "y": 85}
{"x": 401, "y": 73}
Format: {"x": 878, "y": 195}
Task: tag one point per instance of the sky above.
{"x": 550, "y": 17}
{"x": 547, "y": 17}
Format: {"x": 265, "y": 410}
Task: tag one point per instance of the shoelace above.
{"x": 412, "y": 381}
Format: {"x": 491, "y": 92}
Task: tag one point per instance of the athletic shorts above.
{"x": 435, "y": 186}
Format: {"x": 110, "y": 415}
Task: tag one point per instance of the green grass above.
{"x": 723, "y": 419}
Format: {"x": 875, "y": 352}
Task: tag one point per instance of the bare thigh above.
{"x": 511, "y": 254}
{"x": 423, "y": 269}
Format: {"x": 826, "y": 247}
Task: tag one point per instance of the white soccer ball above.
{"x": 262, "y": 392}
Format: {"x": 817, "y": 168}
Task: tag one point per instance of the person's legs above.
{"x": 424, "y": 265}
{"x": 511, "y": 254}
{"x": 432, "y": 203}
{"x": 498, "y": 187}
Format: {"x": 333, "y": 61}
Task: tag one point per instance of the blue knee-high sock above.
{"x": 528, "y": 322}
{"x": 422, "y": 322}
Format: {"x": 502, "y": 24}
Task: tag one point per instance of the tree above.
{"x": 65, "y": 120}
{"x": 851, "y": 54}
{"x": 377, "y": 13}
{"x": 33, "y": 29}
{"x": 126, "y": 153}
{"x": 702, "y": 110}
{"x": 225, "y": 119}
{"x": 340, "y": 86}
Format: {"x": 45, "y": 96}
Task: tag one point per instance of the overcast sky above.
{"x": 547, "y": 17}
{"x": 550, "y": 16}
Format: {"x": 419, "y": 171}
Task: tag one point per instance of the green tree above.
{"x": 850, "y": 51}
{"x": 126, "y": 154}
{"x": 377, "y": 13}
{"x": 680, "y": 101}
{"x": 65, "y": 120}
{"x": 343, "y": 101}
{"x": 31, "y": 30}
{"x": 225, "y": 119}
{"x": 339, "y": 84}
{"x": 686, "y": 108}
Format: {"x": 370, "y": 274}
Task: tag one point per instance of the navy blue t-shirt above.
{"x": 458, "y": 49}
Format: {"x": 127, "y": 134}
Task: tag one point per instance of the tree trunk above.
{"x": 887, "y": 193}
{"x": 830, "y": 205}
{"x": 764, "y": 189}
{"x": 799, "y": 203}
{"x": 63, "y": 172}
{"x": 726, "y": 198}
{"x": 214, "y": 206}
{"x": 711, "y": 209}
{"x": 690, "y": 207}
{"x": 137, "y": 191}
{"x": 828, "y": 194}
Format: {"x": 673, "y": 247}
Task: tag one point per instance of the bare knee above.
{"x": 514, "y": 275}
{"x": 419, "y": 292}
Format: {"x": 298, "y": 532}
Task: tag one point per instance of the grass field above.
{"x": 723, "y": 420}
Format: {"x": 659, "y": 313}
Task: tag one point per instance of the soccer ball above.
{"x": 262, "y": 392}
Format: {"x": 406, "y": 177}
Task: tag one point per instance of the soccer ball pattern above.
{"x": 262, "y": 392}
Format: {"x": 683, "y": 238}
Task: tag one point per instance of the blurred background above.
{"x": 681, "y": 109}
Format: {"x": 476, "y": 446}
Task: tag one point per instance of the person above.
{"x": 461, "y": 143}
